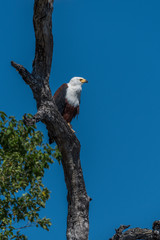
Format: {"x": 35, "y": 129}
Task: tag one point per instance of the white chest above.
{"x": 73, "y": 95}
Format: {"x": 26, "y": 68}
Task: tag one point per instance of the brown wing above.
{"x": 59, "y": 97}
{"x": 70, "y": 112}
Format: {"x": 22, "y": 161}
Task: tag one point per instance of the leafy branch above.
{"x": 23, "y": 160}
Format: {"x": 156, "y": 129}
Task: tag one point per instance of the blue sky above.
{"x": 115, "y": 45}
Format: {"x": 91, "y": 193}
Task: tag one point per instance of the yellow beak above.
{"x": 83, "y": 80}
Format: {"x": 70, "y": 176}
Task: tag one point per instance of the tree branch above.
{"x": 58, "y": 129}
{"x": 138, "y": 233}
{"x": 42, "y": 21}
{"x": 27, "y": 77}
{"x": 36, "y": 118}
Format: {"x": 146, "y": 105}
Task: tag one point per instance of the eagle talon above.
{"x": 71, "y": 127}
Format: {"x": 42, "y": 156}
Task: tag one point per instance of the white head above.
{"x": 77, "y": 81}
{"x": 74, "y": 89}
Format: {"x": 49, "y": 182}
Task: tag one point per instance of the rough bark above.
{"x": 58, "y": 130}
{"x": 138, "y": 233}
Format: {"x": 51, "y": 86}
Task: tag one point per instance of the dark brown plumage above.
{"x": 67, "y": 98}
{"x": 67, "y": 110}
{"x": 70, "y": 112}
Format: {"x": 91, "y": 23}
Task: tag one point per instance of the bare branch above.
{"x": 138, "y": 233}
{"x": 23, "y": 72}
{"x": 36, "y": 118}
{"x": 26, "y": 226}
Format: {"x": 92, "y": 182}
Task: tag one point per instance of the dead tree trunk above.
{"x": 58, "y": 130}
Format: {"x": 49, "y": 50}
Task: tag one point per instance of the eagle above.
{"x": 67, "y": 98}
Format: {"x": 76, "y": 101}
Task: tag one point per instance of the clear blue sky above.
{"x": 115, "y": 45}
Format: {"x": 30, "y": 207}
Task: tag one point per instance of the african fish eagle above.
{"x": 67, "y": 98}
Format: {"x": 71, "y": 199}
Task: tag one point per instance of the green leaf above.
{"x": 57, "y": 155}
{"x": 23, "y": 159}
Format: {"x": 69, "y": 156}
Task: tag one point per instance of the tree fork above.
{"x": 58, "y": 129}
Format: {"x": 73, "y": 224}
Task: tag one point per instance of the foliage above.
{"x": 23, "y": 160}
{"x": 57, "y": 154}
